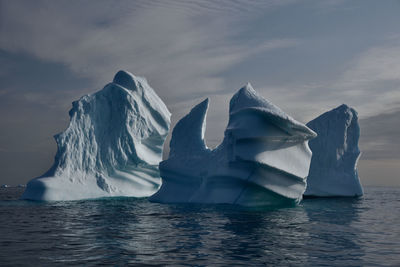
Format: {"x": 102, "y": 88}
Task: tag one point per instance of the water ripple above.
{"x": 128, "y": 231}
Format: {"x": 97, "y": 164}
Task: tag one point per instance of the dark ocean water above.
{"x": 128, "y": 231}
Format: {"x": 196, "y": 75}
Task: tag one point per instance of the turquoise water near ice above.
{"x": 128, "y": 231}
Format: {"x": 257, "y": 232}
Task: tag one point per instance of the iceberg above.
{"x": 112, "y": 146}
{"x": 263, "y": 159}
{"x": 333, "y": 170}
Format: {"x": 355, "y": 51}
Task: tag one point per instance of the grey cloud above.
{"x": 34, "y": 100}
{"x": 381, "y": 172}
{"x": 370, "y": 83}
{"x": 176, "y": 51}
{"x": 306, "y": 57}
{"x": 380, "y": 136}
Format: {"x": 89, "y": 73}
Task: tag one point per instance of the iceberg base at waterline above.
{"x": 263, "y": 160}
{"x": 112, "y": 146}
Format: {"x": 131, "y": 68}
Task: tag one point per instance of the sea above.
{"x": 135, "y": 232}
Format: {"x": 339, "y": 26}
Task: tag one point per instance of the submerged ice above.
{"x": 112, "y": 146}
{"x": 263, "y": 160}
{"x": 333, "y": 170}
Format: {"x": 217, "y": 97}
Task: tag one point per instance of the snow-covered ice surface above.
{"x": 263, "y": 160}
{"x": 333, "y": 170}
{"x": 112, "y": 146}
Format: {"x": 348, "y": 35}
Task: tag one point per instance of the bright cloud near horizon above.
{"x": 305, "y": 56}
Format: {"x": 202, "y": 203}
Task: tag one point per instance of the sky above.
{"x": 306, "y": 56}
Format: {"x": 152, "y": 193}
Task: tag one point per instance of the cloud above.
{"x": 369, "y": 82}
{"x": 373, "y": 81}
{"x": 55, "y": 51}
{"x": 181, "y": 47}
{"x": 379, "y": 136}
{"x": 379, "y": 172}
{"x": 306, "y": 57}
{"x": 184, "y": 49}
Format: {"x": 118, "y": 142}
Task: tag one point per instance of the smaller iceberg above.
{"x": 112, "y": 146}
{"x": 263, "y": 160}
{"x": 333, "y": 170}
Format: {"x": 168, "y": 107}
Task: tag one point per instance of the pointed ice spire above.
{"x": 247, "y": 101}
{"x": 188, "y": 134}
{"x": 247, "y": 97}
{"x": 125, "y": 79}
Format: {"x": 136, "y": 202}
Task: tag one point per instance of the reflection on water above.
{"x": 330, "y": 226}
{"x": 332, "y": 232}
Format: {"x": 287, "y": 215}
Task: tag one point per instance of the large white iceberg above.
{"x": 262, "y": 161}
{"x": 333, "y": 170}
{"x": 112, "y": 146}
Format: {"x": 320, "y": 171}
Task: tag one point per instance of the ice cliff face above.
{"x": 112, "y": 146}
{"x": 333, "y": 170}
{"x": 263, "y": 160}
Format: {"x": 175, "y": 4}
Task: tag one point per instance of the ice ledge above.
{"x": 125, "y": 79}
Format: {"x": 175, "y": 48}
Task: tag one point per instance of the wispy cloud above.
{"x": 305, "y": 56}
{"x": 184, "y": 47}
{"x": 369, "y": 81}
{"x": 180, "y": 47}
{"x": 379, "y": 136}
{"x": 373, "y": 80}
